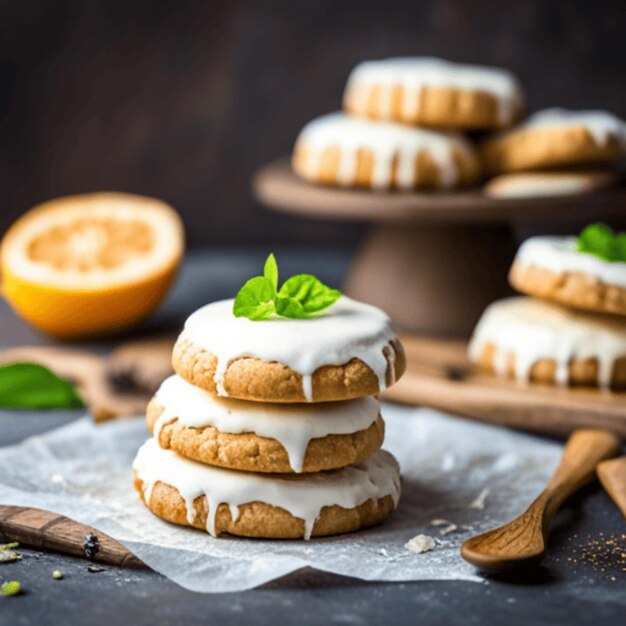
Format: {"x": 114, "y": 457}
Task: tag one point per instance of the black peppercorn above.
{"x": 91, "y": 545}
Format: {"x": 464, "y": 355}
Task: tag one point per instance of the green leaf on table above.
{"x": 600, "y": 240}
{"x": 32, "y": 386}
{"x": 300, "y": 297}
{"x": 255, "y": 299}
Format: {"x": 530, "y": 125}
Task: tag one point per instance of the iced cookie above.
{"x": 556, "y": 138}
{"x": 259, "y": 437}
{"x": 528, "y": 339}
{"x": 433, "y": 92}
{"x": 553, "y": 269}
{"x": 272, "y": 506}
{"x": 340, "y": 150}
{"x": 349, "y": 352}
{"x": 543, "y": 184}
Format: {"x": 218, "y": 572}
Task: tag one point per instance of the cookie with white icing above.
{"x": 271, "y": 506}
{"x": 537, "y": 341}
{"x": 263, "y": 437}
{"x": 551, "y": 268}
{"x": 351, "y": 351}
{"x": 544, "y": 184}
{"x": 337, "y": 149}
{"x": 556, "y": 138}
{"x": 433, "y": 92}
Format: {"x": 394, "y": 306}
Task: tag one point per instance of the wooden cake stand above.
{"x": 433, "y": 261}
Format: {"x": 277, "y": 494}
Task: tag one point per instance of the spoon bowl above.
{"x": 522, "y": 541}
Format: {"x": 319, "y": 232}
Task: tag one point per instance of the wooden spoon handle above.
{"x": 612, "y": 475}
{"x": 584, "y": 450}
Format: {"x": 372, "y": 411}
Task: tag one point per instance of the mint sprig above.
{"x": 601, "y": 241}
{"x": 300, "y": 297}
{"x": 32, "y": 386}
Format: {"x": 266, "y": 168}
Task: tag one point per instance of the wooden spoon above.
{"x": 522, "y": 541}
{"x": 612, "y": 475}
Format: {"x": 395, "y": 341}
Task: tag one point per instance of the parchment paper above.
{"x": 84, "y": 471}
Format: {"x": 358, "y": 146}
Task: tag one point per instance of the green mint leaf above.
{"x": 304, "y": 295}
{"x": 255, "y": 299}
{"x": 288, "y": 307}
{"x": 620, "y": 247}
{"x": 32, "y": 386}
{"x": 599, "y": 240}
{"x": 270, "y": 271}
{"x": 300, "y": 297}
{"x": 11, "y": 588}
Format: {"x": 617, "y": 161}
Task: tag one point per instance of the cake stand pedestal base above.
{"x": 433, "y": 279}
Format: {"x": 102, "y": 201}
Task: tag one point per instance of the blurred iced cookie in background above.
{"x": 588, "y": 272}
{"x": 549, "y": 183}
{"x": 556, "y": 138}
{"x": 425, "y": 91}
{"x": 539, "y": 342}
{"x": 337, "y": 149}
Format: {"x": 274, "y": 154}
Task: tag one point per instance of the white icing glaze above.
{"x": 541, "y": 184}
{"x": 531, "y": 330}
{"x": 349, "y": 329}
{"x": 417, "y": 73}
{"x": 292, "y": 425}
{"x": 558, "y": 254}
{"x": 600, "y": 124}
{"x": 388, "y": 142}
{"x": 303, "y": 496}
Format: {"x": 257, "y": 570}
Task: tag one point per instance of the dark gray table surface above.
{"x": 575, "y": 585}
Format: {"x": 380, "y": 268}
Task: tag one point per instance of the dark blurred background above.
{"x": 185, "y": 100}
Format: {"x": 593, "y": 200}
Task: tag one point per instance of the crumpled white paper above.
{"x": 83, "y": 471}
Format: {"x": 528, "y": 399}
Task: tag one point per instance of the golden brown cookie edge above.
{"x": 438, "y": 107}
{"x": 581, "y": 372}
{"x": 249, "y": 378}
{"x": 262, "y": 520}
{"x": 252, "y": 453}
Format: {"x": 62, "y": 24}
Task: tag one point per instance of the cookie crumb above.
{"x": 420, "y": 544}
{"x": 479, "y": 501}
{"x": 9, "y": 556}
{"x": 450, "y": 527}
{"x": 57, "y": 479}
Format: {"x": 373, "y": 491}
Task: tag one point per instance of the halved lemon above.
{"x": 91, "y": 264}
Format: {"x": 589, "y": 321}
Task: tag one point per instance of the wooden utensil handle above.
{"x": 584, "y": 450}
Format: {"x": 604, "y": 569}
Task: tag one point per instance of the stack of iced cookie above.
{"x": 271, "y": 426}
{"x": 555, "y": 152}
{"x": 572, "y": 328}
{"x": 402, "y": 125}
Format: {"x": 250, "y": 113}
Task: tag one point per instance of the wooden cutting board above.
{"x": 439, "y": 375}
